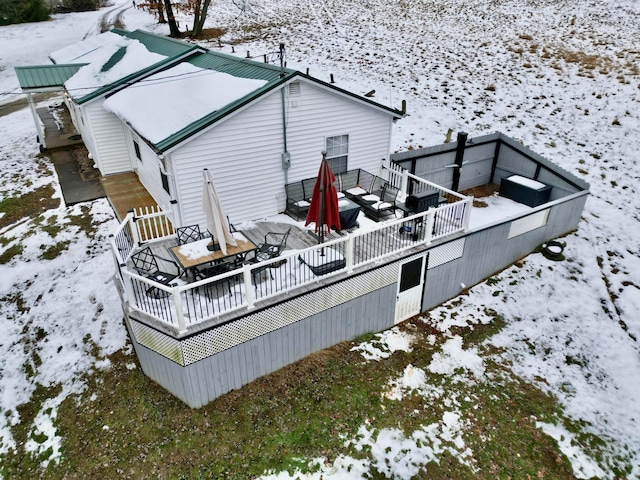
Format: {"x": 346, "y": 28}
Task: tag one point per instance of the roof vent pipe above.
{"x": 462, "y": 141}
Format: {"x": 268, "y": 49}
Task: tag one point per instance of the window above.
{"x": 136, "y": 147}
{"x": 337, "y": 153}
{"x": 165, "y": 181}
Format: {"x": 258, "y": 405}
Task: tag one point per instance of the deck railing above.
{"x": 180, "y": 306}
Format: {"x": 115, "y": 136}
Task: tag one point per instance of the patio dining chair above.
{"x": 273, "y": 245}
{"x": 189, "y": 234}
{"x": 214, "y": 288}
{"x": 145, "y": 262}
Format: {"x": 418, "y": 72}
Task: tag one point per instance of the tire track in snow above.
{"x": 108, "y": 19}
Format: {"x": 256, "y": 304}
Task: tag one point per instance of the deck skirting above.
{"x": 228, "y": 335}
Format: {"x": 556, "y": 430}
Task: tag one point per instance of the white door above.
{"x": 410, "y": 282}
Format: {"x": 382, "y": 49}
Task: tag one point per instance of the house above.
{"x": 167, "y": 109}
{"x": 200, "y": 339}
{"x": 258, "y": 127}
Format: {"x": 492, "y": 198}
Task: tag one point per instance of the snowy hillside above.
{"x": 561, "y": 77}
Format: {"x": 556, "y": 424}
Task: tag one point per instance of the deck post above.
{"x": 114, "y": 251}
{"x": 128, "y": 288}
{"x": 349, "y": 254}
{"x": 404, "y": 184}
{"x": 133, "y": 227}
{"x": 177, "y": 301}
{"x": 248, "y": 286}
{"x": 431, "y": 216}
{"x": 467, "y": 214}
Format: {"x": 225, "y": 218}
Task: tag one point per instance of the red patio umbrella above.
{"x": 324, "y": 201}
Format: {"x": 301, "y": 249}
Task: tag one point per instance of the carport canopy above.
{"x": 41, "y": 79}
{"x": 45, "y": 78}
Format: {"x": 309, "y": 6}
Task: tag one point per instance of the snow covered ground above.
{"x": 561, "y": 77}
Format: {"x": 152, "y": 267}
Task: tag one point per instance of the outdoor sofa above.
{"x": 375, "y": 195}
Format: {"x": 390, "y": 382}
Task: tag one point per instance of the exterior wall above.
{"x": 80, "y": 120}
{"x": 316, "y": 114}
{"x": 108, "y": 139}
{"x": 230, "y": 368}
{"x": 148, "y": 170}
{"x": 489, "y": 250}
{"x": 244, "y": 151}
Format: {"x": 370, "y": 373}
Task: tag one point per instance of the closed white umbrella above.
{"x": 216, "y": 219}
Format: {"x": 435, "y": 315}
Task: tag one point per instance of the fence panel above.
{"x": 152, "y": 224}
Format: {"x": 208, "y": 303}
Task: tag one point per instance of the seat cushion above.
{"x": 356, "y": 191}
{"x": 371, "y": 198}
{"x": 382, "y": 205}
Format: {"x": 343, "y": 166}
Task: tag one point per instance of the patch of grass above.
{"x": 10, "y": 253}
{"x": 126, "y": 426}
{"x": 52, "y": 226}
{"x": 17, "y": 464}
{"x": 18, "y": 299}
{"x": 84, "y": 221}
{"x": 53, "y": 251}
{"x": 29, "y": 204}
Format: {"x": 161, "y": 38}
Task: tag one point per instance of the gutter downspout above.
{"x": 286, "y": 156}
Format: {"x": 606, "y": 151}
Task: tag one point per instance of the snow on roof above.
{"x": 176, "y": 98}
{"x": 78, "y": 52}
{"x": 108, "y": 63}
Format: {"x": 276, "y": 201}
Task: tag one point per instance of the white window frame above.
{"x": 337, "y": 148}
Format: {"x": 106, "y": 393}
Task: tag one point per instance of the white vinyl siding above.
{"x": 244, "y": 151}
{"x": 149, "y": 172}
{"x": 110, "y": 150}
{"x": 244, "y": 155}
{"x": 320, "y": 114}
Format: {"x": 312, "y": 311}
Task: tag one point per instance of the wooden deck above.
{"x": 125, "y": 192}
{"x": 299, "y": 238}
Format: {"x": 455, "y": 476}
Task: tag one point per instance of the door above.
{"x": 410, "y": 282}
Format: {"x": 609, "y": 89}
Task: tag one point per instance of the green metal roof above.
{"x": 238, "y": 67}
{"x": 159, "y": 44}
{"x": 245, "y": 68}
{"x": 172, "y": 49}
{"x": 39, "y": 77}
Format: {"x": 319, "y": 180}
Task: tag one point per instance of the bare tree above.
{"x": 200, "y": 8}
{"x": 159, "y": 8}
{"x": 173, "y": 25}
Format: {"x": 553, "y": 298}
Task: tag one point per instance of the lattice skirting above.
{"x": 212, "y": 341}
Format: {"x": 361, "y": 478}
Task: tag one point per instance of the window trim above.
{"x": 339, "y": 162}
{"x": 164, "y": 179}
{"x": 136, "y": 150}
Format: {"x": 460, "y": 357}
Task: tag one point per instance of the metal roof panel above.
{"x": 45, "y": 76}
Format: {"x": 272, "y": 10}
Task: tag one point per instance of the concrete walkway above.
{"x": 53, "y": 134}
{"x": 124, "y": 191}
{"x": 76, "y": 186}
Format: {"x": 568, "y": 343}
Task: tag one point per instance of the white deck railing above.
{"x": 182, "y": 305}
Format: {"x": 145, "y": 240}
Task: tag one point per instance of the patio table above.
{"x": 348, "y": 211}
{"x": 194, "y": 254}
